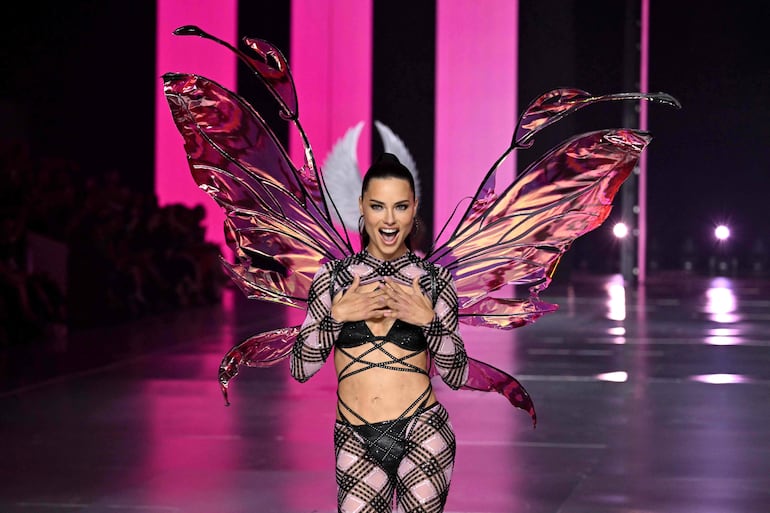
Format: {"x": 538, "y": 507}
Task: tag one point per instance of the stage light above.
{"x": 722, "y": 232}
{"x": 620, "y": 230}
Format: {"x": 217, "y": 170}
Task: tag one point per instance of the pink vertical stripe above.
{"x": 643, "y": 86}
{"x": 331, "y": 61}
{"x": 475, "y": 105}
{"x": 476, "y": 88}
{"x": 173, "y": 183}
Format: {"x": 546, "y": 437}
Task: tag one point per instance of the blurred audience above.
{"x": 79, "y": 251}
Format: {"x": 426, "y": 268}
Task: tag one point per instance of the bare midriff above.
{"x": 378, "y": 394}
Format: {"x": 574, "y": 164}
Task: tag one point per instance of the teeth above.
{"x": 389, "y": 232}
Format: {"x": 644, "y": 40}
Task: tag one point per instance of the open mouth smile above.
{"x": 388, "y": 235}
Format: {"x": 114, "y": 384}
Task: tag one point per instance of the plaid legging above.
{"x": 421, "y": 481}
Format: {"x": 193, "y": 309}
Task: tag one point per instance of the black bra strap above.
{"x": 388, "y": 364}
{"x": 419, "y": 403}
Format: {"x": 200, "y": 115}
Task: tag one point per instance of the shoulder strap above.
{"x": 433, "y": 281}
{"x": 335, "y": 272}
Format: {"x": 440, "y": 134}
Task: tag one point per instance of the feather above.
{"x": 342, "y": 176}
{"x": 342, "y": 172}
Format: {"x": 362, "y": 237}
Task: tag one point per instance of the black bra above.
{"x": 404, "y": 335}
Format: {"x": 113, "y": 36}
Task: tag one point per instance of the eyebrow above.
{"x": 372, "y": 200}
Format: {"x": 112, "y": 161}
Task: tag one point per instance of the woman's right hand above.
{"x": 356, "y": 305}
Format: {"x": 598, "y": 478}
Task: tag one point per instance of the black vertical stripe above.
{"x": 270, "y": 21}
{"x": 570, "y": 43}
{"x": 547, "y": 50}
{"x": 403, "y": 88}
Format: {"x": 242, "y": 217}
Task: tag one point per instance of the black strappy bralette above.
{"x": 404, "y": 335}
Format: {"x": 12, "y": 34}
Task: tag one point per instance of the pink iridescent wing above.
{"x": 261, "y": 350}
{"x": 518, "y": 234}
{"x": 486, "y": 378}
{"x": 523, "y": 232}
{"x": 277, "y": 221}
{"x": 483, "y": 377}
{"x": 554, "y": 105}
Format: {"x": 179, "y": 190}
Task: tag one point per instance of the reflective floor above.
{"x": 649, "y": 401}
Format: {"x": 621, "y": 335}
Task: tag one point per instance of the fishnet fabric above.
{"x": 319, "y": 330}
{"x": 421, "y": 483}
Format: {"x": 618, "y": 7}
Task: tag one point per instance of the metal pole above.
{"x": 629, "y": 251}
{"x": 644, "y": 59}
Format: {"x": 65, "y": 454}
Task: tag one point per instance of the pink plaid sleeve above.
{"x": 319, "y": 330}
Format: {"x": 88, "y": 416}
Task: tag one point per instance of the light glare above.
{"x": 722, "y": 232}
{"x": 720, "y": 379}
{"x": 721, "y": 302}
{"x": 616, "y": 303}
{"x": 615, "y": 377}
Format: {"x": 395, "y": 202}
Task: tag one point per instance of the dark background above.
{"x": 78, "y": 82}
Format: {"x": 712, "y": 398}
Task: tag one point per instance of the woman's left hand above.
{"x": 408, "y": 303}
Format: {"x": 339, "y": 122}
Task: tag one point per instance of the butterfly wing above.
{"x": 517, "y": 236}
{"x": 281, "y": 226}
{"x": 261, "y": 350}
{"x": 278, "y": 222}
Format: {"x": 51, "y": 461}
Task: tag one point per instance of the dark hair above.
{"x": 387, "y": 165}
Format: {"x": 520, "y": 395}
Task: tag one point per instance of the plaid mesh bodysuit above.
{"x": 413, "y": 454}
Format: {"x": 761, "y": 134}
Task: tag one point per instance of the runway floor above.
{"x": 649, "y": 401}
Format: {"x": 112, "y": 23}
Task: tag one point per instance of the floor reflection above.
{"x": 648, "y": 401}
{"x": 721, "y": 302}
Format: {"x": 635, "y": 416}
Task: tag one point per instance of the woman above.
{"x": 388, "y": 313}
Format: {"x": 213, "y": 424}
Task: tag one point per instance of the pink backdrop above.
{"x": 331, "y": 60}
{"x": 173, "y": 183}
{"x": 476, "y": 89}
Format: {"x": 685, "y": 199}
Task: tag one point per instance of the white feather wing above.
{"x": 342, "y": 177}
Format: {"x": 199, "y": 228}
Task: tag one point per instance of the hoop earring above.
{"x": 362, "y": 233}
{"x": 415, "y": 226}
